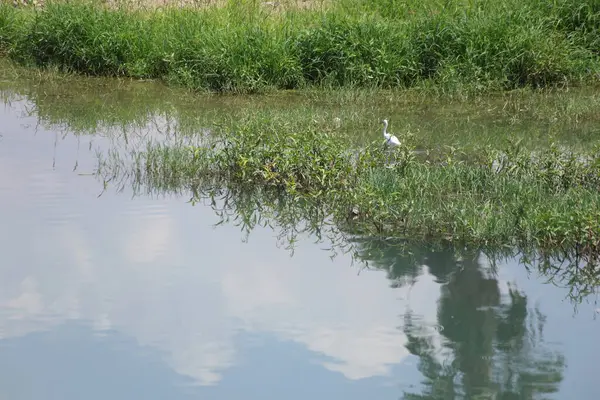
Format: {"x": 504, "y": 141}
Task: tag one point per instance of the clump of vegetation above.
{"x": 548, "y": 200}
{"x": 247, "y": 46}
{"x": 505, "y": 204}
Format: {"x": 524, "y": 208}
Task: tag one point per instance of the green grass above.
{"x": 547, "y": 200}
{"x": 246, "y": 47}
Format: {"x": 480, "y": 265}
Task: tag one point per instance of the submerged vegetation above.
{"x": 126, "y": 107}
{"x": 250, "y": 46}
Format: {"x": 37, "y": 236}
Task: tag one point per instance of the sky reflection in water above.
{"x": 121, "y": 297}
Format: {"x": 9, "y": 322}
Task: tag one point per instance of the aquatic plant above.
{"x": 246, "y": 46}
{"x": 549, "y": 199}
{"x": 512, "y": 219}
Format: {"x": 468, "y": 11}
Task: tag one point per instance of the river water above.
{"x": 106, "y": 295}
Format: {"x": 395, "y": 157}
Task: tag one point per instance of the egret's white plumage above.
{"x": 390, "y": 139}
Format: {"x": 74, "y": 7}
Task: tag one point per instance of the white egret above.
{"x": 390, "y": 139}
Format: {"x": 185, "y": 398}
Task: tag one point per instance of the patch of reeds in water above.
{"x": 492, "y": 198}
{"x": 544, "y": 209}
{"x": 245, "y": 46}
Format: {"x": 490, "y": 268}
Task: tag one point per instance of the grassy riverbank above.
{"x": 249, "y": 46}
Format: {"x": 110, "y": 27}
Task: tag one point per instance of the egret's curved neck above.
{"x": 385, "y": 125}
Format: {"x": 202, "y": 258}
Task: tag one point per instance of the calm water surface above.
{"x": 105, "y": 295}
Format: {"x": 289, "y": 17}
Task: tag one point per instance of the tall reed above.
{"x": 246, "y": 46}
